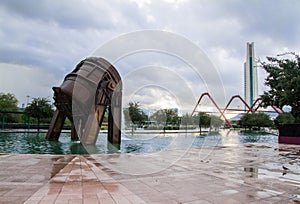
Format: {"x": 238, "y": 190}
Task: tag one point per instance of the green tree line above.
{"x": 40, "y": 110}
{"x": 134, "y": 115}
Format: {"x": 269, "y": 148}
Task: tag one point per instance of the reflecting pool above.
{"x": 35, "y": 143}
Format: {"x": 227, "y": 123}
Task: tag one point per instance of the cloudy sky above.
{"x": 42, "y": 40}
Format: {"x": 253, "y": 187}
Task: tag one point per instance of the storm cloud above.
{"x": 42, "y": 41}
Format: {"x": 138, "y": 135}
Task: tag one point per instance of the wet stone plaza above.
{"x": 239, "y": 173}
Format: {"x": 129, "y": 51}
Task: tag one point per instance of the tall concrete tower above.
{"x": 250, "y": 76}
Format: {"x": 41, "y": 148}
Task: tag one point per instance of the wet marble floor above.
{"x": 251, "y": 173}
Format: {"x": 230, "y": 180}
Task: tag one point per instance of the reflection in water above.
{"x": 112, "y": 148}
{"x": 250, "y": 138}
{"x": 77, "y": 148}
{"x": 33, "y": 143}
{"x": 253, "y": 171}
{"x": 230, "y": 138}
{"x": 56, "y": 147}
{"x": 132, "y": 148}
{"x": 255, "y": 136}
{"x": 278, "y": 172}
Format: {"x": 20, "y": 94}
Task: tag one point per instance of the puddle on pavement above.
{"x": 283, "y": 175}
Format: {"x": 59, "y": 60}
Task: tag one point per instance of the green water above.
{"x": 35, "y": 143}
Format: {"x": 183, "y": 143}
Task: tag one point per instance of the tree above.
{"x": 172, "y": 117}
{"x": 216, "y": 121}
{"x": 166, "y": 116}
{"x": 202, "y": 119}
{"x": 40, "y": 108}
{"x": 160, "y": 117}
{"x": 284, "y": 118}
{"x": 135, "y": 114}
{"x": 284, "y": 82}
{"x": 255, "y": 120}
{"x": 186, "y": 119}
{"x": 9, "y": 102}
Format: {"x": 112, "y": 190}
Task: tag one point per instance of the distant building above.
{"x": 250, "y": 76}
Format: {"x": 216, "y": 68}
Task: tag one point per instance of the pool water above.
{"x": 35, "y": 143}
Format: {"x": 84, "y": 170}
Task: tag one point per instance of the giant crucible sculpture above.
{"x": 91, "y": 89}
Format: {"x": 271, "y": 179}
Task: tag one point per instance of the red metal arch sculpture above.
{"x": 241, "y": 99}
{"x": 215, "y": 104}
{"x": 254, "y": 108}
{"x": 258, "y": 104}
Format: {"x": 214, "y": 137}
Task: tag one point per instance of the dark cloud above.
{"x": 57, "y": 34}
{"x": 53, "y": 36}
{"x": 277, "y": 19}
{"x": 68, "y": 13}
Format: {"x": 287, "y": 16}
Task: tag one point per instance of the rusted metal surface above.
{"x": 92, "y": 88}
